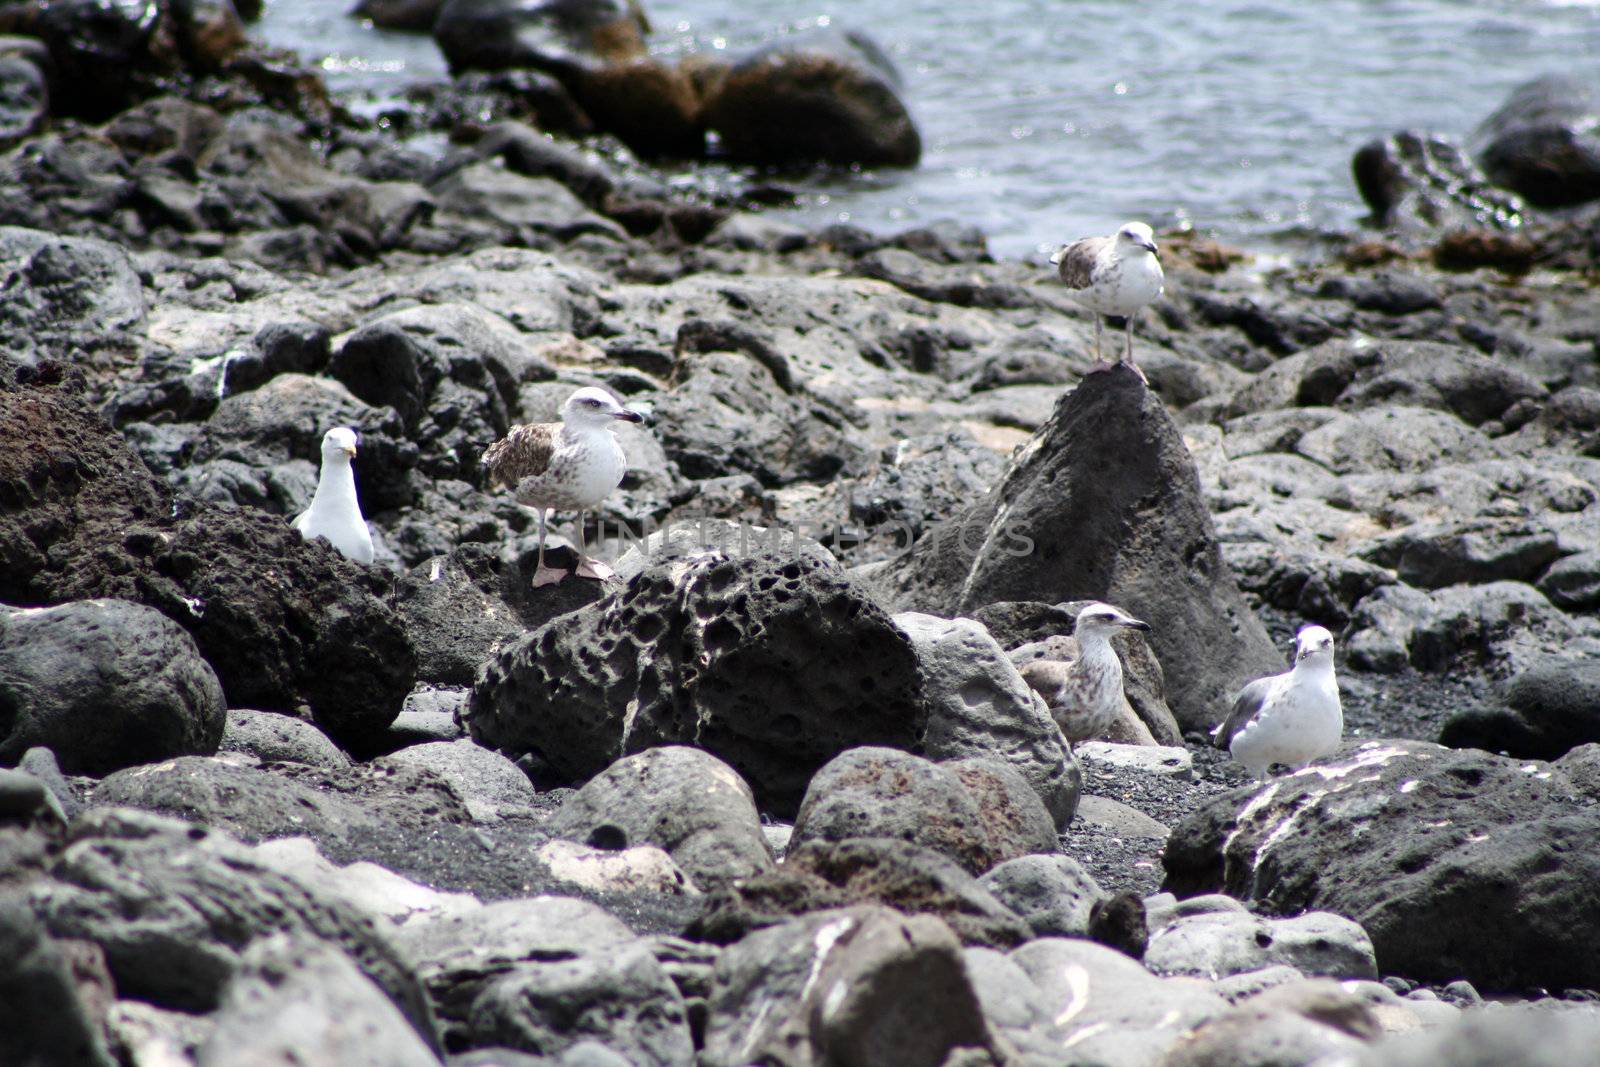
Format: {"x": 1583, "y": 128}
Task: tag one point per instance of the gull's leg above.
{"x": 1100, "y": 363}
{"x": 545, "y": 575}
{"x": 588, "y": 567}
{"x": 1127, "y": 348}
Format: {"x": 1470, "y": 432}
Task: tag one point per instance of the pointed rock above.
{"x": 1103, "y": 503}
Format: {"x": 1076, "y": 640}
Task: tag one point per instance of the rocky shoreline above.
{"x": 787, "y": 802}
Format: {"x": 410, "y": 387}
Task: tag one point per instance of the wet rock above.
{"x": 827, "y": 96}
{"x": 1224, "y": 943}
{"x": 105, "y": 684}
{"x": 882, "y": 792}
{"x": 1421, "y": 182}
{"x": 274, "y": 737}
{"x": 686, "y": 801}
{"x": 1428, "y": 846}
{"x": 860, "y": 985}
{"x": 301, "y": 1000}
{"x": 1549, "y": 709}
{"x": 486, "y": 781}
{"x": 1541, "y": 142}
{"x": 1060, "y": 521}
{"x": 700, "y": 653}
{"x": 43, "y": 1019}
{"x": 458, "y": 956}
{"x": 560, "y": 36}
{"x": 200, "y": 900}
{"x": 1053, "y": 894}
{"x": 980, "y": 706}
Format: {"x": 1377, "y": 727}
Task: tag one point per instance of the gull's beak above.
{"x": 349, "y": 450}
{"x": 1148, "y": 246}
{"x": 627, "y": 416}
{"x": 1135, "y": 624}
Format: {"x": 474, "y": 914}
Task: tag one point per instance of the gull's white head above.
{"x": 1313, "y": 644}
{"x": 339, "y": 443}
{"x": 1136, "y": 235}
{"x": 592, "y": 406}
{"x": 1103, "y": 620}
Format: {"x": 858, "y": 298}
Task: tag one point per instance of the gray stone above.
{"x": 104, "y": 684}
{"x": 686, "y": 801}
{"x": 1573, "y": 582}
{"x": 1397, "y": 439}
{"x": 487, "y": 782}
{"x": 301, "y": 1000}
{"x": 1524, "y": 1036}
{"x": 1053, "y": 894}
{"x": 41, "y": 763}
{"x": 1166, "y": 761}
{"x": 1300, "y": 1023}
{"x": 1015, "y": 817}
{"x": 1223, "y": 943}
{"x": 1119, "y": 819}
{"x": 1541, "y": 142}
{"x": 43, "y": 1020}
{"x": 980, "y": 706}
{"x": 1549, "y": 709}
{"x": 274, "y": 737}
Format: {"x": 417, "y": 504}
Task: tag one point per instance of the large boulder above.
{"x": 1457, "y": 864}
{"x": 1104, "y": 503}
{"x": 686, "y": 801}
{"x": 772, "y": 664}
{"x": 1419, "y": 182}
{"x": 105, "y": 684}
{"x": 285, "y": 623}
{"x": 828, "y": 96}
{"x": 1544, "y": 142}
{"x": 1547, "y": 710}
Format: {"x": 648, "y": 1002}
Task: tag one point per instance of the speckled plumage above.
{"x": 548, "y": 465}
{"x": 1117, "y": 275}
{"x": 1080, "y": 677}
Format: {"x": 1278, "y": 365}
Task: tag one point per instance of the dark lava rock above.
{"x": 828, "y": 96}
{"x": 1431, "y": 556}
{"x": 106, "y": 684}
{"x": 862, "y": 870}
{"x": 1573, "y": 582}
{"x": 282, "y": 621}
{"x": 1421, "y": 182}
{"x": 855, "y": 986}
{"x": 73, "y": 298}
{"x": 774, "y": 665}
{"x": 560, "y": 36}
{"x": 1457, "y": 863}
{"x": 1054, "y": 895}
{"x": 301, "y": 1000}
{"x": 1549, "y": 709}
{"x": 273, "y": 737}
{"x": 43, "y": 1019}
{"x": 683, "y": 800}
{"x": 417, "y": 16}
{"x": 1543, "y": 142}
{"x": 1419, "y": 374}
{"x": 1103, "y": 504}
{"x": 176, "y": 906}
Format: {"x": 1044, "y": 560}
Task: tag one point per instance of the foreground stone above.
{"x": 1427, "y": 848}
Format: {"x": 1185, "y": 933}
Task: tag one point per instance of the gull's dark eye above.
{"x": 592, "y": 402}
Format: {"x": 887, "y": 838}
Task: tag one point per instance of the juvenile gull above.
{"x": 334, "y": 512}
{"x": 572, "y": 465}
{"x": 1291, "y": 718}
{"x": 1116, "y": 275}
{"x": 1082, "y": 686}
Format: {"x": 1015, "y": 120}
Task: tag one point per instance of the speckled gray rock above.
{"x": 978, "y": 705}
{"x": 1298, "y": 1023}
{"x": 1053, "y": 894}
{"x": 274, "y": 737}
{"x": 486, "y": 781}
{"x": 104, "y": 684}
{"x": 1222, "y": 943}
{"x": 1015, "y": 817}
{"x": 686, "y": 801}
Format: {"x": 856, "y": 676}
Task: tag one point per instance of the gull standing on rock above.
{"x": 1084, "y": 694}
{"x": 1116, "y": 275}
{"x": 1291, "y": 718}
{"x": 573, "y": 465}
{"x": 334, "y": 512}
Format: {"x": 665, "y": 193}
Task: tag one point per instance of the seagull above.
{"x": 1290, "y": 718}
{"x": 1116, "y": 275}
{"x": 572, "y": 464}
{"x": 335, "y": 513}
{"x": 1081, "y": 685}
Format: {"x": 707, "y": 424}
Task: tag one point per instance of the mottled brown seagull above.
{"x": 573, "y": 465}
{"x": 1116, "y": 275}
{"x": 1082, "y": 686}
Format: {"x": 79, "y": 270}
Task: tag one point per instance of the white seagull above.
{"x": 334, "y": 512}
{"x": 1082, "y": 687}
{"x": 1116, "y": 275}
{"x": 573, "y": 465}
{"x": 1290, "y": 718}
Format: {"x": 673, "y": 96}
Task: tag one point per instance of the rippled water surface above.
{"x": 1043, "y": 121}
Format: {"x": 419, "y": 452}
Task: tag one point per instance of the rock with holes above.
{"x": 274, "y": 737}
{"x": 770, "y": 663}
{"x": 979, "y": 706}
{"x": 1104, "y": 502}
{"x": 175, "y": 907}
{"x": 105, "y": 684}
{"x": 1054, "y": 895}
{"x": 457, "y": 956}
{"x": 856, "y": 985}
{"x": 1456, "y": 863}
{"x": 1225, "y": 943}
{"x": 686, "y": 801}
